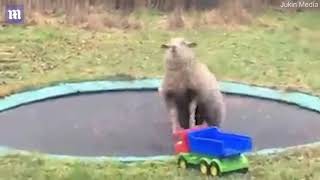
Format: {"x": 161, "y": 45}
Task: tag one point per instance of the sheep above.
{"x": 188, "y": 88}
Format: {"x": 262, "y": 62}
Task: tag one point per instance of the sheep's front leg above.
{"x": 192, "y": 107}
{"x": 171, "y": 110}
{"x": 173, "y": 115}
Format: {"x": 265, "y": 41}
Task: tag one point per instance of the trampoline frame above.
{"x": 303, "y": 100}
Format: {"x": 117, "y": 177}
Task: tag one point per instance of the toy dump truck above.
{"x": 213, "y": 151}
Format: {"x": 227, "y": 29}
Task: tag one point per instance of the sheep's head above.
{"x": 176, "y": 43}
{"x": 179, "y": 51}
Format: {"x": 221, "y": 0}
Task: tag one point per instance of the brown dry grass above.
{"x": 176, "y": 20}
{"x": 232, "y": 13}
{"x": 101, "y": 21}
{"x": 94, "y": 20}
{"x": 238, "y": 14}
{"x": 36, "y": 18}
{"x": 101, "y": 16}
{"x": 106, "y": 21}
{"x": 229, "y": 14}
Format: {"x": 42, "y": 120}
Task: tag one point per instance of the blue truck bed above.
{"x": 212, "y": 141}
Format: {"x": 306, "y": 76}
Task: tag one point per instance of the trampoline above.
{"x": 128, "y": 119}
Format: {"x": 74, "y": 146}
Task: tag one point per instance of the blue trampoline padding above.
{"x": 298, "y": 98}
{"x": 301, "y": 99}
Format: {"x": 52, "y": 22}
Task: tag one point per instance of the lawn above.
{"x": 294, "y": 164}
{"x": 278, "y": 50}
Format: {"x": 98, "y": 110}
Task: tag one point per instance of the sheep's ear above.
{"x": 191, "y": 44}
{"x": 165, "y": 46}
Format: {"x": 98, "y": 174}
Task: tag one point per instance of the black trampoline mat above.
{"x": 134, "y": 123}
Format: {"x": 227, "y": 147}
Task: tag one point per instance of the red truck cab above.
{"x": 182, "y": 144}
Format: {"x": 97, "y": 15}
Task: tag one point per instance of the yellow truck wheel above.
{"x": 214, "y": 169}
{"x": 182, "y": 163}
{"x": 204, "y": 167}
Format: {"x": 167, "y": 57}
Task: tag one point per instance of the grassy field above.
{"x": 278, "y": 50}
{"x": 292, "y": 165}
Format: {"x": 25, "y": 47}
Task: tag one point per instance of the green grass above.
{"x": 294, "y": 164}
{"x": 278, "y": 50}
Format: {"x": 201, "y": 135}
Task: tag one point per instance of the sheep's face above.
{"x": 177, "y": 44}
{"x": 179, "y": 50}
